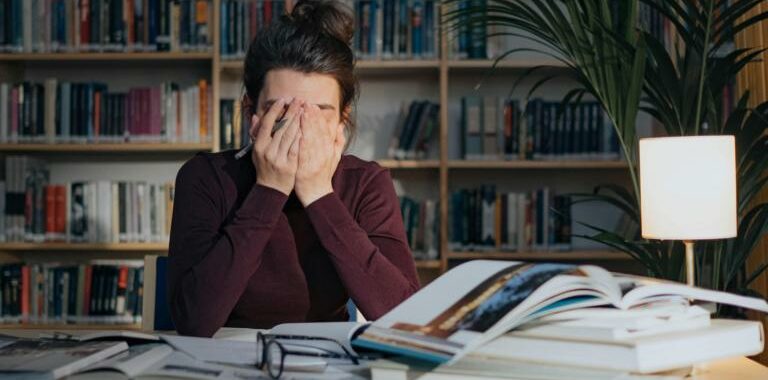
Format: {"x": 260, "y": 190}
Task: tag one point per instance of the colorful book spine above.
{"x": 485, "y": 219}
{"x": 56, "y": 26}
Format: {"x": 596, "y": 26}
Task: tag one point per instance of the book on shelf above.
{"x": 494, "y": 128}
{"x": 396, "y": 29}
{"x": 422, "y": 226}
{"x": 484, "y": 219}
{"x": 241, "y": 20}
{"x": 94, "y": 292}
{"x": 233, "y": 126}
{"x": 474, "y": 311}
{"x": 63, "y": 26}
{"x": 417, "y": 125}
{"x": 69, "y": 112}
{"x": 82, "y": 211}
{"x": 475, "y": 40}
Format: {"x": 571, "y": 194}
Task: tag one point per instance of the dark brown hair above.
{"x": 314, "y": 38}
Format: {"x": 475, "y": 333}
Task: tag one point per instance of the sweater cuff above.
{"x": 262, "y": 204}
{"x": 328, "y": 213}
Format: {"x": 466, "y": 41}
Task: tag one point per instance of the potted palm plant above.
{"x": 682, "y": 85}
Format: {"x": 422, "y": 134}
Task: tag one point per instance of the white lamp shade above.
{"x": 688, "y": 187}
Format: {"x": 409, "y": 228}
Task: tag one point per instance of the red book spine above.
{"x": 50, "y": 211}
{"x": 87, "y": 290}
{"x": 253, "y": 12}
{"x": 61, "y": 211}
{"x": 267, "y": 12}
{"x": 25, "y": 292}
{"x": 156, "y": 114}
{"x": 85, "y": 22}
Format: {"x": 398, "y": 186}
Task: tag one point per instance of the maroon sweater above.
{"x": 246, "y": 255}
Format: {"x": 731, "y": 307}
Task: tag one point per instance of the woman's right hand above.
{"x": 276, "y": 157}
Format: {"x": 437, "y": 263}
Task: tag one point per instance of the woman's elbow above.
{"x": 191, "y": 321}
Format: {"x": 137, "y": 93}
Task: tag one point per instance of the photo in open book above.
{"x": 491, "y": 300}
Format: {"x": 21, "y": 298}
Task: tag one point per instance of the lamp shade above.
{"x": 688, "y": 187}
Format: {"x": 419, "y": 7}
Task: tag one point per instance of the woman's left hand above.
{"x": 322, "y": 143}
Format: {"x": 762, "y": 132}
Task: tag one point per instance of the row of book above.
{"x": 496, "y": 128}
{"x": 397, "y": 29}
{"x": 476, "y": 40}
{"x": 415, "y": 130}
{"x": 242, "y": 19}
{"x": 69, "y": 112}
{"x": 36, "y": 210}
{"x": 100, "y": 291}
{"x": 42, "y": 26}
{"x": 483, "y": 219}
{"x": 232, "y": 135}
{"x": 422, "y": 226}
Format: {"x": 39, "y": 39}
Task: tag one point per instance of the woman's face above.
{"x": 319, "y": 89}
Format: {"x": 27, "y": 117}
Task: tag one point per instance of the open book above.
{"x": 482, "y": 300}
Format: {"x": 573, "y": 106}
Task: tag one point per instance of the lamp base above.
{"x": 689, "y": 263}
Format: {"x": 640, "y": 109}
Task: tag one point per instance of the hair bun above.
{"x": 328, "y": 16}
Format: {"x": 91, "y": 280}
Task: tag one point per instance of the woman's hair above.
{"x": 314, "y": 38}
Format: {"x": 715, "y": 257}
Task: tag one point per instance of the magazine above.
{"x": 54, "y": 358}
{"x": 134, "y": 361}
{"x": 481, "y": 300}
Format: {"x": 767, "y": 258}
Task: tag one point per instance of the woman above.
{"x": 294, "y": 232}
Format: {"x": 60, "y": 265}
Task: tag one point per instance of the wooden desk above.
{"x": 733, "y": 369}
{"x": 730, "y": 369}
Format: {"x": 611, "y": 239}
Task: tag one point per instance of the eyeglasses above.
{"x": 271, "y": 353}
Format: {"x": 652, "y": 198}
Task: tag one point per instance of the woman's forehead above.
{"x": 319, "y": 89}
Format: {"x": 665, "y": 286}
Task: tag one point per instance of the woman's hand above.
{"x": 322, "y": 143}
{"x": 276, "y": 157}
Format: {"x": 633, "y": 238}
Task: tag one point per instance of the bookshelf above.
{"x": 436, "y": 176}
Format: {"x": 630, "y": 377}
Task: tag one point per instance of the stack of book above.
{"x": 104, "y": 25}
{"x": 241, "y": 20}
{"x": 484, "y": 219}
{"x": 100, "y": 291}
{"x": 86, "y": 211}
{"x": 396, "y": 29}
{"x": 422, "y": 226}
{"x": 501, "y": 319}
{"x": 495, "y": 128}
{"x": 416, "y": 127}
{"x": 68, "y": 112}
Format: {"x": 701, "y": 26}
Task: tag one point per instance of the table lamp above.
{"x": 688, "y": 190}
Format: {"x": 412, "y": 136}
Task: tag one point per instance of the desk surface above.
{"x": 731, "y": 369}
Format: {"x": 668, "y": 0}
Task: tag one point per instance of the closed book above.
{"x": 490, "y": 127}
{"x": 722, "y": 339}
{"x": 472, "y": 127}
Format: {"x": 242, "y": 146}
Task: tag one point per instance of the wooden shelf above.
{"x": 530, "y": 164}
{"x": 106, "y": 147}
{"x": 428, "y": 264}
{"x": 568, "y": 255}
{"x": 409, "y": 164}
{"x": 509, "y": 64}
{"x": 138, "y": 247}
{"x": 70, "y": 326}
{"x": 107, "y": 56}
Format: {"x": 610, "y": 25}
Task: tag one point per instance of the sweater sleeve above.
{"x": 209, "y": 265}
{"x": 371, "y": 253}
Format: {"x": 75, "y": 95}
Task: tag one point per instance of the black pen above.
{"x": 278, "y": 126}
